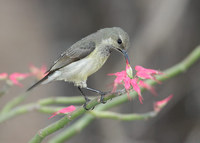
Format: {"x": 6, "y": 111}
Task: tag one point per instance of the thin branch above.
{"x": 62, "y": 100}
{"x": 124, "y": 117}
{"x": 16, "y": 111}
{"x": 48, "y": 110}
{"x": 73, "y": 129}
{"x": 40, "y": 105}
{"x": 84, "y": 121}
{"x": 14, "y": 102}
{"x": 26, "y": 109}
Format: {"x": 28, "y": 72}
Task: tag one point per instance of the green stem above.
{"x": 85, "y": 120}
{"x": 48, "y": 110}
{"x": 62, "y": 100}
{"x": 73, "y": 129}
{"x": 27, "y": 108}
{"x": 16, "y": 111}
{"x": 7, "y": 113}
{"x": 88, "y": 118}
{"x": 183, "y": 66}
{"x": 66, "y": 119}
{"x": 125, "y": 117}
{"x": 13, "y": 103}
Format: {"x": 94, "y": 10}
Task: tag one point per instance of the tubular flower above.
{"x": 160, "y": 104}
{"x": 144, "y": 73}
{"x": 15, "y": 77}
{"x": 134, "y": 83}
{"x": 129, "y": 81}
{"x": 39, "y": 73}
{"x": 126, "y": 78}
{"x": 119, "y": 79}
{"x": 64, "y": 111}
{"x": 148, "y": 87}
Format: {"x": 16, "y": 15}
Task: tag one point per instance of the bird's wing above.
{"x": 76, "y": 52}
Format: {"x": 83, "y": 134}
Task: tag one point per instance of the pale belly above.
{"x": 79, "y": 71}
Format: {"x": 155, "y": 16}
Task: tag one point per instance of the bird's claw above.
{"x": 85, "y": 104}
{"x": 102, "y": 97}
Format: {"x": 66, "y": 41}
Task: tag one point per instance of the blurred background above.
{"x": 162, "y": 32}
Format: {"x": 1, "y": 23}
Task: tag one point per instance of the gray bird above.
{"x": 85, "y": 57}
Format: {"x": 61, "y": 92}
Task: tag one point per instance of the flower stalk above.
{"x": 124, "y": 117}
{"x": 86, "y": 119}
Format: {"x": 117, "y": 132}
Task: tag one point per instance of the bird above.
{"x": 85, "y": 57}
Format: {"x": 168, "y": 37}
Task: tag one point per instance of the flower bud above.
{"x": 129, "y": 71}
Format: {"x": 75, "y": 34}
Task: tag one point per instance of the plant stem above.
{"x": 16, "y": 111}
{"x": 6, "y": 113}
{"x": 27, "y": 108}
{"x": 124, "y": 117}
{"x": 84, "y": 121}
{"x": 13, "y": 103}
{"x": 62, "y": 100}
{"x": 73, "y": 129}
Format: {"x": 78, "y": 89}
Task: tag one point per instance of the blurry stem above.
{"x": 45, "y": 101}
{"x": 14, "y": 102}
{"x": 71, "y": 131}
{"x": 125, "y": 117}
{"x": 181, "y": 67}
{"x": 17, "y": 100}
{"x": 85, "y": 120}
{"x": 27, "y": 108}
{"x": 62, "y": 100}
{"x": 7, "y": 113}
{"x": 48, "y": 110}
{"x": 17, "y": 111}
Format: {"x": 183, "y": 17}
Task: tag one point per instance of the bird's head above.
{"x": 117, "y": 39}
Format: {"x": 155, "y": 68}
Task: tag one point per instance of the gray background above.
{"x": 162, "y": 33}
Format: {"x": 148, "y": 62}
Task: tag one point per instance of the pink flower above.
{"x": 147, "y": 73}
{"x": 129, "y": 81}
{"x": 119, "y": 78}
{"x": 64, "y": 111}
{"x": 3, "y": 76}
{"x": 148, "y": 87}
{"x": 124, "y": 77}
{"x": 39, "y": 73}
{"x": 137, "y": 88}
{"x": 14, "y": 77}
{"x": 160, "y": 104}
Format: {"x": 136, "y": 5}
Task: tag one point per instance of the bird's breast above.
{"x": 79, "y": 71}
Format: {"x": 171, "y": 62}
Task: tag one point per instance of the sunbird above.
{"x": 85, "y": 57}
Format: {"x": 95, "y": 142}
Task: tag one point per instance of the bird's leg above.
{"x": 86, "y": 99}
{"x": 99, "y": 92}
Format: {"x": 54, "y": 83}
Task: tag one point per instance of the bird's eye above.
{"x": 119, "y": 41}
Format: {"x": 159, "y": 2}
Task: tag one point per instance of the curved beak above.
{"x": 124, "y": 52}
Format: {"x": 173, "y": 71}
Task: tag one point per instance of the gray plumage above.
{"x": 86, "y": 56}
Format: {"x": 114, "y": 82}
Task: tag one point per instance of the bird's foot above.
{"x": 102, "y": 97}
{"x": 87, "y": 100}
